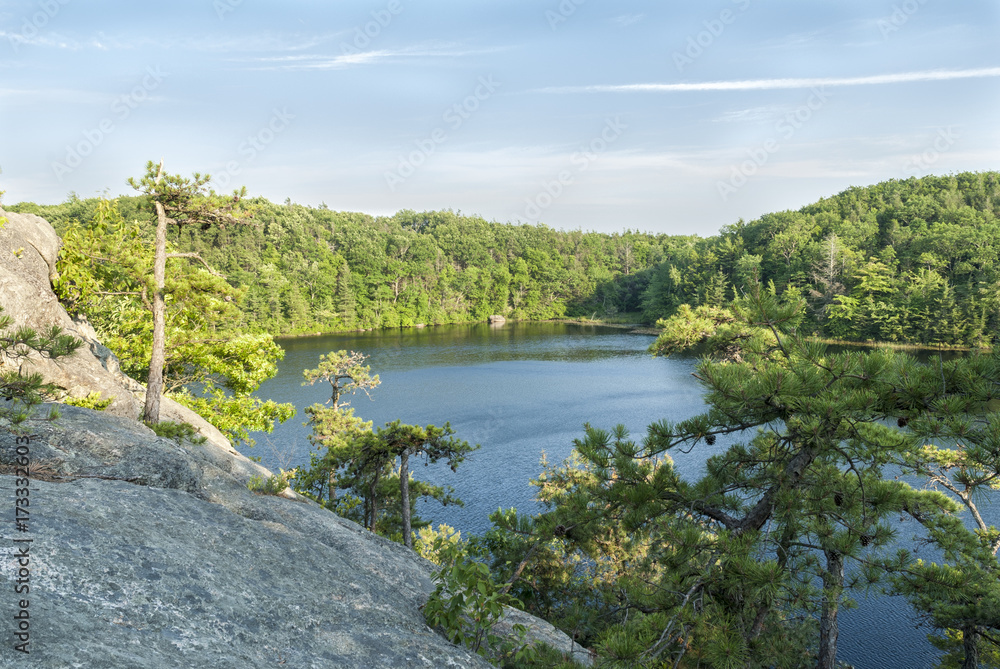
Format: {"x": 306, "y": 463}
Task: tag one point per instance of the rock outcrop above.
{"x": 146, "y": 553}
{"x": 29, "y": 248}
{"x": 149, "y": 553}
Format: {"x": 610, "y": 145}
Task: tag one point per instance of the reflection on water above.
{"x": 524, "y": 389}
{"x": 476, "y": 344}
{"x": 518, "y": 390}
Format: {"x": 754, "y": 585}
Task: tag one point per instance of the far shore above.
{"x": 644, "y": 329}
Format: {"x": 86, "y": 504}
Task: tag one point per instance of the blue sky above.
{"x": 659, "y": 116}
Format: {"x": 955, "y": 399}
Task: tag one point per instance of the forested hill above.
{"x": 306, "y": 269}
{"x": 913, "y": 260}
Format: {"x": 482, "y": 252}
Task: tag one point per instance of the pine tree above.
{"x": 960, "y": 595}
{"x": 724, "y": 567}
{"x": 355, "y": 459}
{"x": 435, "y": 443}
{"x": 335, "y": 428}
{"x": 20, "y": 393}
{"x": 178, "y": 202}
{"x": 105, "y": 268}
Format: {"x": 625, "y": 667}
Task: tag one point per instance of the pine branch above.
{"x": 195, "y": 256}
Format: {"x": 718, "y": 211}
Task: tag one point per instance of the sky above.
{"x": 673, "y": 117}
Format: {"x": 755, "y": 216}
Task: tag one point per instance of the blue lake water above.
{"x": 524, "y": 389}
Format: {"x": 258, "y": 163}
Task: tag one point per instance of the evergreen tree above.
{"x": 961, "y": 594}
{"x": 402, "y": 441}
{"x": 20, "y": 393}
{"x": 335, "y": 428}
{"x": 750, "y": 564}
{"x": 353, "y": 458}
{"x": 178, "y": 201}
{"x": 105, "y": 269}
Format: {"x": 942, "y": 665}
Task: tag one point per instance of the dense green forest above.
{"x": 902, "y": 261}
{"x": 306, "y": 270}
{"x": 911, "y": 260}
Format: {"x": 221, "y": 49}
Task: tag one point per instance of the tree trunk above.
{"x": 404, "y": 495}
{"x": 373, "y": 503}
{"x": 833, "y": 585}
{"x": 154, "y": 384}
{"x": 970, "y": 644}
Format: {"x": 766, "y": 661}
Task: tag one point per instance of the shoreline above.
{"x": 900, "y": 346}
{"x": 639, "y": 328}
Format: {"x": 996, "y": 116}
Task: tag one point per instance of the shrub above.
{"x": 91, "y": 401}
{"x": 272, "y": 485}
{"x": 179, "y": 432}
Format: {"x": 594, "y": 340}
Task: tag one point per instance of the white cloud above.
{"x": 351, "y": 59}
{"x": 625, "y": 20}
{"x": 771, "y": 84}
{"x": 751, "y": 115}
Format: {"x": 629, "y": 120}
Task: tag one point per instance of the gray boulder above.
{"x": 147, "y": 553}
{"x": 29, "y": 248}
{"x": 150, "y": 553}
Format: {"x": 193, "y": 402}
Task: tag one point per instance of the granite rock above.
{"x": 29, "y": 248}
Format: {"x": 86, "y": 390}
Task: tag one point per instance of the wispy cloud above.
{"x": 320, "y": 62}
{"x": 210, "y": 43}
{"x": 626, "y": 20}
{"x": 342, "y": 61}
{"x": 751, "y": 115}
{"x": 53, "y": 41}
{"x": 770, "y": 84}
{"x": 795, "y": 40}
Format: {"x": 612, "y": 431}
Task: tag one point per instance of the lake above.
{"x": 523, "y": 389}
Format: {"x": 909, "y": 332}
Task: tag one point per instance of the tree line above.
{"x": 914, "y": 260}
{"x": 305, "y": 269}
